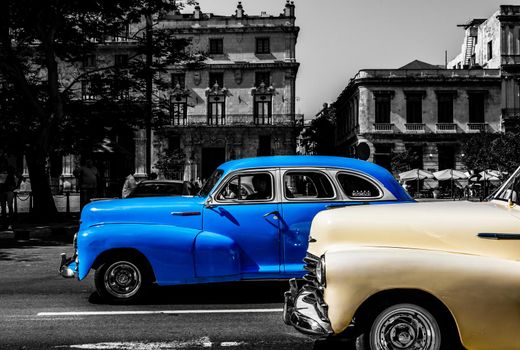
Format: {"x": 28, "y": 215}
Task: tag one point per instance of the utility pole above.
{"x": 149, "y": 86}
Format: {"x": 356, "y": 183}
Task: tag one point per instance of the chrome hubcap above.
{"x": 122, "y": 279}
{"x": 406, "y": 329}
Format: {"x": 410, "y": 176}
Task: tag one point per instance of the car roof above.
{"x": 376, "y": 171}
{"x": 297, "y": 161}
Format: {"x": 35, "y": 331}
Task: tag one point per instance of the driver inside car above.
{"x": 262, "y": 187}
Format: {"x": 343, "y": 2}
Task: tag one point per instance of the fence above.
{"x": 68, "y": 202}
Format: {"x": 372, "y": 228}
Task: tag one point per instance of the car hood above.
{"x": 146, "y": 210}
{"x": 446, "y": 226}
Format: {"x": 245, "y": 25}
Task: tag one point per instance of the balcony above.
{"x": 239, "y": 120}
{"x": 477, "y": 127}
{"x": 384, "y": 127}
{"x": 446, "y": 128}
{"x": 415, "y": 128}
{"x": 510, "y": 60}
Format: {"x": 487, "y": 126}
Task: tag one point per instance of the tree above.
{"x": 171, "y": 163}
{"x": 319, "y": 137}
{"x": 492, "y": 151}
{"x": 41, "y": 42}
{"x": 404, "y": 161}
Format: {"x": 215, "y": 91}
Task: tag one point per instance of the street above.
{"x": 42, "y": 310}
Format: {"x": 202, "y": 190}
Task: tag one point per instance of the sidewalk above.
{"x": 26, "y": 229}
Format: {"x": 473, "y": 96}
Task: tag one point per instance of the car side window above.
{"x": 248, "y": 187}
{"x": 305, "y": 185}
{"x": 357, "y": 187}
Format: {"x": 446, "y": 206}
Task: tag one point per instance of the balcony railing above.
{"x": 428, "y": 73}
{"x": 477, "y": 127}
{"x": 240, "y": 120}
{"x": 384, "y": 127}
{"x": 415, "y": 127}
{"x": 510, "y": 60}
{"x": 444, "y": 128}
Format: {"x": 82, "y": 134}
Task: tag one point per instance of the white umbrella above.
{"x": 415, "y": 174}
{"x": 449, "y": 174}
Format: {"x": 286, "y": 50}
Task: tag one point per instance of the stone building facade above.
{"x": 419, "y": 107}
{"x": 431, "y": 109}
{"x": 242, "y": 103}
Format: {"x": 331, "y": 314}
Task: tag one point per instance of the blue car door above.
{"x": 305, "y": 192}
{"x": 247, "y": 210}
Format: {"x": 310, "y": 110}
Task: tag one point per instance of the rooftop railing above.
{"x": 427, "y": 73}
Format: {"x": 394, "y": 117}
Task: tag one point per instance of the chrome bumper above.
{"x": 305, "y": 310}
{"x": 67, "y": 266}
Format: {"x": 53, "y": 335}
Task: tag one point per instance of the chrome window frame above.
{"x": 285, "y": 171}
{"x": 273, "y": 173}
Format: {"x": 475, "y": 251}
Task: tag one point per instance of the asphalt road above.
{"x": 41, "y": 310}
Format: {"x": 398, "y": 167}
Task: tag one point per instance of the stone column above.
{"x": 140, "y": 154}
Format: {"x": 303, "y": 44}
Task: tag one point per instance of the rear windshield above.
{"x": 157, "y": 189}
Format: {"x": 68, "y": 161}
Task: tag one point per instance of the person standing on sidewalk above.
{"x": 129, "y": 185}
{"x": 88, "y": 182}
{"x": 10, "y": 185}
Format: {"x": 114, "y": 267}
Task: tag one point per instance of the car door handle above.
{"x": 185, "y": 213}
{"x": 499, "y": 236}
{"x": 275, "y": 214}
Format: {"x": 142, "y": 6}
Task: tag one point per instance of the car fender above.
{"x": 481, "y": 293}
{"x": 168, "y": 249}
{"x": 216, "y": 255}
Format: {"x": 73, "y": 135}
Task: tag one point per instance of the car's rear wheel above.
{"x": 402, "y": 327}
{"x": 122, "y": 280}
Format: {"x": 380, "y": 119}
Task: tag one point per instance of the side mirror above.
{"x": 210, "y": 202}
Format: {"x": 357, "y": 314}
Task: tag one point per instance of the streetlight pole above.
{"x": 149, "y": 86}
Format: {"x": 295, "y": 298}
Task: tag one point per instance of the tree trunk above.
{"x": 43, "y": 200}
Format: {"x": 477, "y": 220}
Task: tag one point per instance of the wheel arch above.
{"x": 124, "y": 253}
{"x": 380, "y": 300}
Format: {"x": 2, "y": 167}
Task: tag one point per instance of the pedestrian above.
{"x": 87, "y": 181}
{"x": 129, "y": 185}
{"x": 10, "y": 185}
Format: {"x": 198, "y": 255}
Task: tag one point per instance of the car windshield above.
{"x": 210, "y": 183}
{"x": 157, "y": 189}
{"x": 511, "y": 189}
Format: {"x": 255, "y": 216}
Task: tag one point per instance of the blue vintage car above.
{"x": 251, "y": 220}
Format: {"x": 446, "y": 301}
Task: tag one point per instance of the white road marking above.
{"x": 231, "y": 343}
{"x": 205, "y": 342}
{"x": 166, "y": 312}
{"x": 141, "y": 345}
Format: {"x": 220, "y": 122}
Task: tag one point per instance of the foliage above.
{"x": 404, "y": 161}
{"x": 492, "y": 151}
{"x": 42, "y": 46}
{"x": 171, "y": 164}
{"x": 319, "y": 137}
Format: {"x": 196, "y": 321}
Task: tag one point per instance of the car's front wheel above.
{"x": 122, "y": 280}
{"x": 402, "y": 326}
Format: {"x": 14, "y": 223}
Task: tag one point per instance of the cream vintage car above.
{"x": 422, "y": 276}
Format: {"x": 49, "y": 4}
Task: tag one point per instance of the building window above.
{"x": 264, "y": 145}
{"x": 414, "y": 107}
{"x": 490, "y": 50}
{"x": 216, "y": 46}
{"x": 383, "y": 155}
{"x": 178, "y": 79}
{"x": 262, "y": 109}
{"x": 445, "y": 107}
{"x": 174, "y": 143}
{"x": 476, "y": 107}
{"x": 89, "y": 61}
{"x": 179, "y": 110}
{"x": 446, "y": 156}
{"x": 263, "y": 45}
{"x": 86, "y": 90}
{"x": 121, "y": 60}
{"x": 216, "y": 78}
{"x": 262, "y": 77}
{"x": 383, "y": 109}
{"x": 216, "y": 110}
{"x": 120, "y": 89}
